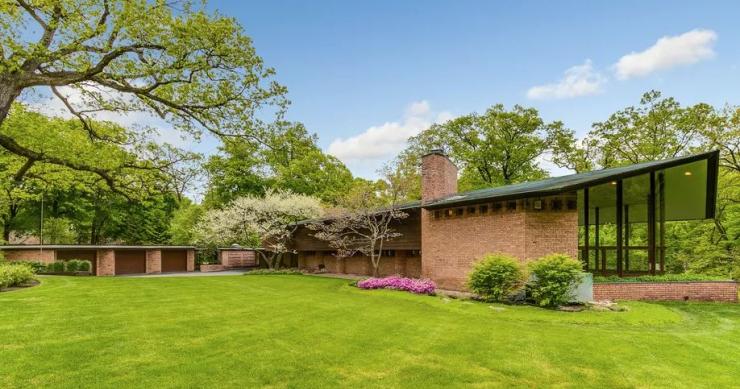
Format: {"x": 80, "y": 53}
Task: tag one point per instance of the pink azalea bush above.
{"x": 412, "y": 285}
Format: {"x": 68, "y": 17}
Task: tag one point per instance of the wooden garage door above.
{"x": 89, "y": 255}
{"x": 130, "y": 261}
{"x": 174, "y": 260}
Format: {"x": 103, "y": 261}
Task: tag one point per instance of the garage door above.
{"x": 130, "y": 261}
{"x": 174, "y": 260}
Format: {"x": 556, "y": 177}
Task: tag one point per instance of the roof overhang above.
{"x": 574, "y": 182}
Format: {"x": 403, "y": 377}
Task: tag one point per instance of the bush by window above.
{"x": 496, "y": 277}
{"x": 553, "y": 279}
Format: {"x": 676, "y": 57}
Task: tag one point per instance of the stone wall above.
{"x": 694, "y": 290}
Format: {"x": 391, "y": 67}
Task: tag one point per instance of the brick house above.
{"x": 612, "y": 219}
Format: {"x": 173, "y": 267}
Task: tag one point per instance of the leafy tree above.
{"x": 287, "y": 157}
{"x": 499, "y": 147}
{"x": 269, "y": 221}
{"x": 361, "y": 226}
{"x": 195, "y": 69}
{"x": 659, "y": 128}
{"x": 184, "y": 220}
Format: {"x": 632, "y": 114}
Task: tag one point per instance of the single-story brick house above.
{"x": 108, "y": 260}
{"x": 612, "y": 219}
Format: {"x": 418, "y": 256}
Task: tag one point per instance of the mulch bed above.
{"x": 28, "y": 285}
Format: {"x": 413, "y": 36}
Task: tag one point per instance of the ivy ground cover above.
{"x": 304, "y": 331}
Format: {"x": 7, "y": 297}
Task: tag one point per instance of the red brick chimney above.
{"x": 438, "y": 176}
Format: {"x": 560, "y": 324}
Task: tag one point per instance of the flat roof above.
{"x": 556, "y": 185}
{"x": 88, "y": 247}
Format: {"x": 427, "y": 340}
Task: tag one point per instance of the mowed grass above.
{"x": 303, "y": 331}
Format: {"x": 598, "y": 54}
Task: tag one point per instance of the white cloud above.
{"x": 669, "y": 51}
{"x": 382, "y": 142}
{"x": 579, "y": 80}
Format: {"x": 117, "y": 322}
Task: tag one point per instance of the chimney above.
{"x": 438, "y": 176}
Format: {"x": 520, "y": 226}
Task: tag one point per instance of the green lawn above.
{"x": 302, "y": 331}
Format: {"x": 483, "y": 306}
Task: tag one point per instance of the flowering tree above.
{"x": 363, "y": 228}
{"x": 268, "y": 221}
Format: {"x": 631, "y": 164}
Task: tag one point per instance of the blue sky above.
{"x": 399, "y": 65}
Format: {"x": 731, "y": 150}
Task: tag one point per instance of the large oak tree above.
{"x": 195, "y": 69}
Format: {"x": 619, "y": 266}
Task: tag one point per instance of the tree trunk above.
{"x": 8, "y": 93}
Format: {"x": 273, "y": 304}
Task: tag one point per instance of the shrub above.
{"x": 399, "y": 283}
{"x": 72, "y": 265}
{"x": 36, "y": 266}
{"x": 15, "y": 275}
{"x": 75, "y": 265}
{"x": 661, "y": 278}
{"x": 257, "y": 272}
{"x": 553, "y": 279}
{"x": 85, "y": 265}
{"x": 496, "y": 277}
{"x": 56, "y": 267}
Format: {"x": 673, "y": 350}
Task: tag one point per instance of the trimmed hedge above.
{"x": 661, "y": 278}
{"x": 496, "y": 277}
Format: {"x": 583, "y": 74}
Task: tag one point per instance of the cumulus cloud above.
{"x": 668, "y": 52}
{"x": 379, "y": 143}
{"x": 579, "y": 80}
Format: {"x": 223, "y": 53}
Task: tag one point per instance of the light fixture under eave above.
{"x": 613, "y": 183}
{"x": 687, "y": 173}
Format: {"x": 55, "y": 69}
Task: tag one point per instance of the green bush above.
{"x": 55, "y": 267}
{"x": 36, "y": 266}
{"x": 15, "y": 275}
{"x": 496, "y": 277}
{"x": 72, "y": 265}
{"x": 661, "y": 278}
{"x": 554, "y": 277}
{"x": 84, "y": 265}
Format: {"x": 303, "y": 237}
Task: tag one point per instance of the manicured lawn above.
{"x": 302, "y": 331}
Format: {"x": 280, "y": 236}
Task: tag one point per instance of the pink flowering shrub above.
{"x": 399, "y": 283}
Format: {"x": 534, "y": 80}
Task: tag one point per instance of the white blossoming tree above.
{"x": 367, "y": 222}
{"x": 268, "y": 221}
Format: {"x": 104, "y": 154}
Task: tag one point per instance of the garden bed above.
{"x": 66, "y": 273}
{"x": 211, "y": 267}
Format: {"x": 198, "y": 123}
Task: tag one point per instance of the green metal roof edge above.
{"x": 565, "y": 183}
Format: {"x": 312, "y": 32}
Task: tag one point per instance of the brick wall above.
{"x": 106, "y": 262}
{"x": 698, "y": 290}
{"x": 153, "y": 261}
{"x": 450, "y": 246}
{"x": 438, "y": 176}
{"x": 190, "y": 260}
{"x": 550, "y": 232}
{"x": 400, "y": 264}
{"x": 46, "y": 256}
